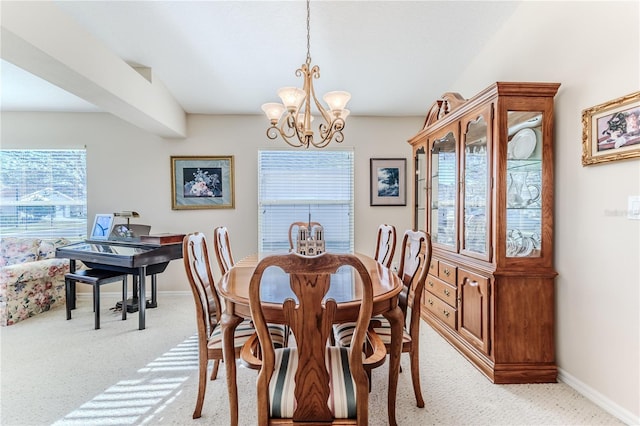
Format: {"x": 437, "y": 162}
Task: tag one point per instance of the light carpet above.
{"x": 59, "y": 372}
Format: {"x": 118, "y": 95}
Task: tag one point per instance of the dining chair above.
{"x": 385, "y": 244}
{"x": 414, "y": 266}
{"x": 222, "y": 247}
{"x": 209, "y": 312}
{"x": 293, "y": 231}
{"x": 312, "y": 382}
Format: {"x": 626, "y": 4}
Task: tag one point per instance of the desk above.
{"x": 234, "y": 289}
{"x": 132, "y": 258}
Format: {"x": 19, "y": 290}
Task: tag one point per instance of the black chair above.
{"x": 95, "y": 278}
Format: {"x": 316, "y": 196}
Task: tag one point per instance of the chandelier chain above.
{"x": 308, "y": 32}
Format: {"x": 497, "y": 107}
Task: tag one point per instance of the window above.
{"x": 301, "y": 186}
{"x": 43, "y": 193}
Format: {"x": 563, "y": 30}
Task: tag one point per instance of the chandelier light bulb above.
{"x": 292, "y": 97}
{"x": 273, "y": 110}
{"x": 337, "y": 100}
{"x": 344, "y": 114}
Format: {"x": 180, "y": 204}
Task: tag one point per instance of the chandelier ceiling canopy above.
{"x": 292, "y": 118}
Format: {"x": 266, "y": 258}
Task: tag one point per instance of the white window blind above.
{"x": 301, "y": 186}
{"x": 43, "y": 193}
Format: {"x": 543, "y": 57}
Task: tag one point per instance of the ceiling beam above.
{"x": 39, "y": 38}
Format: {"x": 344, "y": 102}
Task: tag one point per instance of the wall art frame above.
{"x": 611, "y": 130}
{"x": 202, "y": 182}
{"x": 388, "y": 182}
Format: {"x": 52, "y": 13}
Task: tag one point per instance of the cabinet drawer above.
{"x": 433, "y": 267}
{"x": 444, "y": 291}
{"x": 441, "y": 310}
{"x": 447, "y": 272}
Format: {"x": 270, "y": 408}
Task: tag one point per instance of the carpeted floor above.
{"x": 66, "y": 373}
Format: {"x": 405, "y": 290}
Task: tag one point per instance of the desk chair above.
{"x": 414, "y": 266}
{"x": 385, "y": 244}
{"x": 311, "y": 383}
{"x": 95, "y": 278}
{"x": 208, "y": 314}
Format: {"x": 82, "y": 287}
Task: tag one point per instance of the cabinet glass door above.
{"x": 524, "y": 184}
{"x": 443, "y": 191}
{"x": 421, "y": 190}
{"x": 475, "y": 189}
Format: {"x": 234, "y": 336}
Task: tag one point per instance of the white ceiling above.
{"x": 229, "y": 57}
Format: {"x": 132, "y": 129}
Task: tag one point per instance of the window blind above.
{"x": 301, "y": 186}
{"x": 43, "y": 193}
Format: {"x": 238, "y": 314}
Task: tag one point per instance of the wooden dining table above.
{"x": 234, "y": 290}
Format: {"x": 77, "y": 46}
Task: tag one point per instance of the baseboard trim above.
{"x": 599, "y": 399}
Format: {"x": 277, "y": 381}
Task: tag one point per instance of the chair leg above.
{"x": 96, "y": 305}
{"x": 202, "y": 381}
{"x": 415, "y": 374}
{"x": 214, "y": 371}
{"x": 124, "y": 298}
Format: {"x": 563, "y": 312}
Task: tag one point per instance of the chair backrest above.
{"x": 385, "y": 244}
{"x": 222, "y": 247}
{"x": 198, "y": 269}
{"x": 414, "y": 266}
{"x": 293, "y": 231}
{"x": 310, "y": 320}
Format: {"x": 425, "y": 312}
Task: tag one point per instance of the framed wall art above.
{"x": 611, "y": 131}
{"x": 388, "y": 182}
{"x": 102, "y": 225}
{"x": 202, "y": 182}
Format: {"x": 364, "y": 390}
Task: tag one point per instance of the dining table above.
{"x": 233, "y": 288}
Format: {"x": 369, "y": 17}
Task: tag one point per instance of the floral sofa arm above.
{"x": 33, "y": 285}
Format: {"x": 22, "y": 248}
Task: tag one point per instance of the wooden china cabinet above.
{"x": 484, "y": 191}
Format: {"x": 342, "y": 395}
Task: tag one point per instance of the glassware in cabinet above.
{"x": 524, "y": 184}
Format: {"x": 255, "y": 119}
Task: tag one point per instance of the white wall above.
{"x": 594, "y": 56}
{"x": 593, "y": 49}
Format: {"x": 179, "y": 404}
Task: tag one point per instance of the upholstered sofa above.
{"x": 31, "y": 277}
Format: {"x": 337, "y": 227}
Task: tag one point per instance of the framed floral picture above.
{"x": 388, "y": 182}
{"x": 202, "y": 182}
{"x": 611, "y": 131}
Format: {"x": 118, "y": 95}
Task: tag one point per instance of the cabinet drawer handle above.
{"x": 431, "y": 284}
{"x": 446, "y": 313}
{"x": 472, "y": 283}
{"x": 430, "y": 302}
{"x": 446, "y": 292}
{"x": 447, "y": 272}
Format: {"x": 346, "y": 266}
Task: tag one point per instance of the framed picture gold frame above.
{"x": 611, "y": 130}
{"x": 202, "y": 182}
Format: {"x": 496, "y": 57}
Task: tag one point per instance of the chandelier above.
{"x": 294, "y": 113}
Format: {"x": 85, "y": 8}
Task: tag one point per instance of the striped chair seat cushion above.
{"x": 344, "y": 332}
{"x": 245, "y": 330}
{"x": 342, "y": 394}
